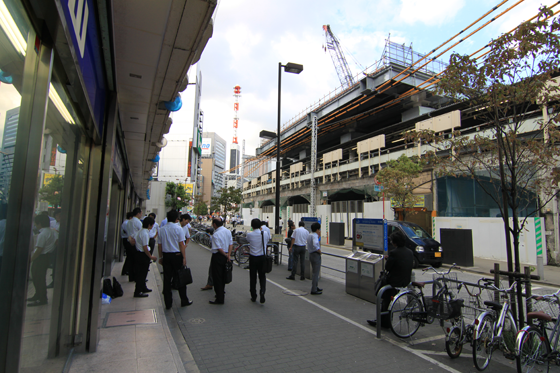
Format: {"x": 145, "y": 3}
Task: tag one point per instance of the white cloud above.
{"x": 429, "y": 12}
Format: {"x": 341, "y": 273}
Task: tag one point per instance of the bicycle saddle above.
{"x": 495, "y": 306}
{"x": 418, "y": 284}
{"x": 539, "y": 315}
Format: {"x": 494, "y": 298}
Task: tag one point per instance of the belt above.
{"x": 172, "y": 253}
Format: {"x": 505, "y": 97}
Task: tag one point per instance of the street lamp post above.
{"x": 292, "y": 68}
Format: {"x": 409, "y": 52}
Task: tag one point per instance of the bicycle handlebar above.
{"x": 547, "y": 297}
{"x": 454, "y": 266}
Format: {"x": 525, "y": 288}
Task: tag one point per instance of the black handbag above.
{"x": 228, "y": 275}
{"x": 381, "y": 281}
{"x": 268, "y": 258}
{"x": 182, "y": 278}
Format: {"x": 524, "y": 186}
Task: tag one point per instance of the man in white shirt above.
{"x": 222, "y": 243}
{"x": 124, "y": 236}
{"x": 153, "y": 233}
{"x": 163, "y": 222}
{"x": 299, "y": 241}
{"x": 143, "y": 257}
{"x": 314, "y": 248}
{"x": 133, "y": 226}
{"x": 258, "y": 240}
{"x": 172, "y": 257}
{"x": 41, "y": 259}
{"x": 184, "y": 222}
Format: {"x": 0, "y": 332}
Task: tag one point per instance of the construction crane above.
{"x": 337, "y": 56}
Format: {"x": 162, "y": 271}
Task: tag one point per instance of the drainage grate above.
{"x": 130, "y": 318}
{"x": 297, "y": 293}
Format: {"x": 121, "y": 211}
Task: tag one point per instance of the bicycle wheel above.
{"x": 533, "y": 352}
{"x": 482, "y": 344}
{"x": 403, "y": 309}
{"x": 243, "y": 254}
{"x": 454, "y": 343}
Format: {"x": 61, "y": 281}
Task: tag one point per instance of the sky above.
{"x": 252, "y": 36}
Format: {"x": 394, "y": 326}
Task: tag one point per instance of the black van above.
{"x": 426, "y": 250}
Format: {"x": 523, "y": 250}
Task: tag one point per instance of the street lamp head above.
{"x": 264, "y": 134}
{"x": 293, "y": 68}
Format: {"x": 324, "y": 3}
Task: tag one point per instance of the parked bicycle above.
{"x": 411, "y": 309}
{"x": 495, "y": 329}
{"x": 534, "y": 349}
{"x": 241, "y": 250}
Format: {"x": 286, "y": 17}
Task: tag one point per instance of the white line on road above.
{"x": 370, "y": 331}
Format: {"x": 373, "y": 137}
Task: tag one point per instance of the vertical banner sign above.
{"x": 538, "y": 236}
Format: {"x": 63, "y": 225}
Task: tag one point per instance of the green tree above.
{"x": 178, "y": 198}
{"x": 230, "y": 199}
{"x": 200, "y": 207}
{"x": 398, "y": 182}
{"x": 52, "y": 192}
{"x": 215, "y": 205}
{"x": 515, "y": 158}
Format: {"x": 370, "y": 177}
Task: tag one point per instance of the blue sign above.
{"x": 82, "y": 26}
{"x": 308, "y": 222}
{"x": 370, "y": 234}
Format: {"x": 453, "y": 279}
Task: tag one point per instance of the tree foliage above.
{"x": 398, "y": 182}
{"x": 514, "y": 153}
{"x": 52, "y": 192}
{"x": 200, "y": 207}
{"x": 178, "y": 196}
{"x": 230, "y": 199}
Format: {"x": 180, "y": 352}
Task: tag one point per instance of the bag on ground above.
{"x": 107, "y": 287}
{"x": 117, "y": 289}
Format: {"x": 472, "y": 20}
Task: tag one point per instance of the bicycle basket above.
{"x": 242, "y": 240}
{"x": 444, "y": 309}
{"x": 548, "y": 306}
{"x": 450, "y": 280}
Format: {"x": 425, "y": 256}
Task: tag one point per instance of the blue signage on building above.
{"x": 82, "y": 26}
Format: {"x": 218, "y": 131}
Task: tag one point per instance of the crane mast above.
{"x": 337, "y": 56}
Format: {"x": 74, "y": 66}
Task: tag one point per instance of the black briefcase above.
{"x": 182, "y": 278}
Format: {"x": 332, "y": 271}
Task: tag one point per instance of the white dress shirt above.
{"x": 142, "y": 238}
{"x": 170, "y": 236}
{"x": 163, "y": 222}
{"x": 47, "y": 240}
{"x": 300, "y": 236}
{"x": 133, "y": 226}
{"x": 154, "y": 230}
{"x": 186, "y": 232}
{"x": 123, "y": 229}
{"x": 266, "y": 229}
{"x": 313, "y": 243}
{"x": 255, "y": 239}
{"x": 221, "y": 239}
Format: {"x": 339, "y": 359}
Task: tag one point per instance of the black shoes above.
{"x": 253, "y": 298}
{"x": 319, "y": 289}
{"x": 290, "y": 278}
{"x": 372, "y": 322}
{"x": 187, "y": 303}
{"x": 168, "y": 307}
{"x": 141, "y": 295}
{"x": 262, "y": 300}
{"x": 146, "y": 290}
{"x": 215, "y": 302}
{"x": 316, "y": 292}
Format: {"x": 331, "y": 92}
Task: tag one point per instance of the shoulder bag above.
{"x": 268, "y": 258}
{"x": 183, "y": 278}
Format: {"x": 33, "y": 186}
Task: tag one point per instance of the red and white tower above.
{"x": 234, "y": 148}
{"x": 236, "y": 94}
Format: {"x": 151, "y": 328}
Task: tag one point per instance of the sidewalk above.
{"x": 139, "y": 346}
{"x": 483, "y": 266}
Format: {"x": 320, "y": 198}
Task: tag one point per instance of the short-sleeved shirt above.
{"x": 300, "y": 236}
{"x": 47, "y": 240}
{"x": 142, "y": 239}
{"x": 154, "y": 230}
{"x": 163, "y": 223}
{"x": 266, "y": 229}
{"x": 221, "y": 239}
{"x": 124, "y": 234}
{"x": 133, "y": 226}
{"x": 255, "y": 239}
{"x": 170, "y": 236}
{"x": 186, "y": 232}
{"x": 313, "y": 243}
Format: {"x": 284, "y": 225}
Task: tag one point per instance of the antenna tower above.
{"x": 236, "y": 94}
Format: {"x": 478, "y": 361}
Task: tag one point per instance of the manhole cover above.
{"x": 297, "y": 293}
{"x": 196, "y": 321}
{"x": 130, "y": 318}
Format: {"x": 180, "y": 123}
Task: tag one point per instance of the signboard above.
{"x": 370, "y": 234}
{"x": 206, "y": 146}
{"x": 47, "y": 178}
{"x": 308, "y": 222}
{"x": 189, "y": 187}
{"x": 277, "y": 238}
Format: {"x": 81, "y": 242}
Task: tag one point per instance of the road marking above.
{"x": 372, "y": 332}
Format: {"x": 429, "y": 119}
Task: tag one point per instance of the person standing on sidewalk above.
{"x": 133, "y": 226}
{"x": 299, "y": 241}
{"x": 314, "y": 248}
{"x": 143, "y": 257}
{"x": 124, "y": 236}
{"x": 153, "y": 233}
{"x": 184, "y": 222}
{"x": 291, "y": 229}
{"x": 222, "y": 243}
{"x": 172, "y": 257}
{"x": 258, "y": 240}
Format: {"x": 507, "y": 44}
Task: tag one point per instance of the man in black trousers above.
{"x": 172, "y": 257}
{"x": 222, "y": 243}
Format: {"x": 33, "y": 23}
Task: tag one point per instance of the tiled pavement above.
{"x": 325, "y": 333}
